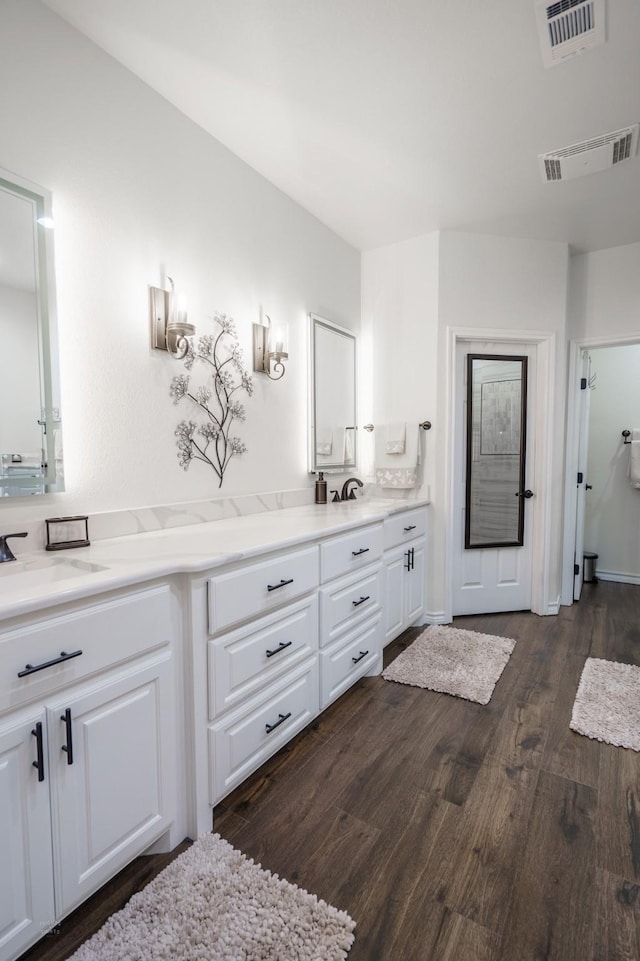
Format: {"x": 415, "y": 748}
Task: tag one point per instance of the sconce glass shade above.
{"x": 166, "y": 332}
{"x": 269, "y": 350}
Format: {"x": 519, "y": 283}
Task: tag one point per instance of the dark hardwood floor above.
{"x": 448, "y": 830}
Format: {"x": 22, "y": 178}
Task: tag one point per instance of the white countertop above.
{"x": 40, "y": 580}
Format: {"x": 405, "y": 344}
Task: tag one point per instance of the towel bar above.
{"x": 425, "y": 424}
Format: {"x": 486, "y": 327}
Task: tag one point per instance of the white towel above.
{"x": 337, "y": 448}
{"x": 348, "y": 446}
{"x": 634, "y": 458}
{"x": 397, "y": 470}
{"x": 396, "y": 435}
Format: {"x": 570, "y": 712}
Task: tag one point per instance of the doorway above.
{"x": 601, "y": 507}
{"x": 540, "y": 350}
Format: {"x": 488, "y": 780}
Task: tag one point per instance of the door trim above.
{"x": 572, "y": 447}
{"x": 545, "y": 343}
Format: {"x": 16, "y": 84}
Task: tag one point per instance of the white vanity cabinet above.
{"x": 87, "y": 753}
{"x": 350, "y": 609}
{"x": 262, "y": 674}
{"x": 404, "y": 563}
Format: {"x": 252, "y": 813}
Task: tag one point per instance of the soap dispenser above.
{"x": 321, "y": 489}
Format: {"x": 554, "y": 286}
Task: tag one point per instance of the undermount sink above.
{"x": 47, "y": 570}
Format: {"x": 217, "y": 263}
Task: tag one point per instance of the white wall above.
{"x": 612, "y": 527}
{"x": 605, "y": 294}
{"x": 139, "y": 191}
{"x": 19, "y": 372}
{"x": 412, "y": 294}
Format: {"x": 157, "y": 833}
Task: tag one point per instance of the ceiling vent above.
{"x": 590, "y": 156}
{"x": 569, "y": 27}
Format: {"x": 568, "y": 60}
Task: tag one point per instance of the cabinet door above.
{"x": 395, "y": 571}
{"x": 111, "y": 773}
{"x": 26, "y": 874}
{"x": 414, "y": 585}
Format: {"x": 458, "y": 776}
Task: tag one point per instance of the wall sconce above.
{"x": 169, "y": 328}
{"x": 269, "y": 347}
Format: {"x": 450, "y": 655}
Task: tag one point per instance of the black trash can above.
{"x": 589, "y": 567}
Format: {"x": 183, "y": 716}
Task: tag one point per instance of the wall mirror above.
{"x": 30, "y": 421}
{"x": 332, "y": 397}
{"x": 496, "y": 448}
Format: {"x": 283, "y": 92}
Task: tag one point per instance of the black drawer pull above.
{"x": 32, "y": 668}
{"x": 359, "y": 657}
{"x": 361, "y": 601}
{"x": 39, "y": 764}
{"x": 283, "y": 583}
{"x": 68, "y": 747}
{"x": 411, "y": 527}
{"x": 281, "y": 646}
{"x": 281, "y": 719}
{"x": 363, "y": 550}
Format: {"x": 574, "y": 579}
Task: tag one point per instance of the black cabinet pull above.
{"x": 281, "y": 719}
{"x": 413, "y": 558}
{"x": 363, "y": 550}
{"x": 361, "y": 601}
{"x": 407, "y": 554}
{"x": 283, "y": 583}
{"x": 281, "y": 646}
{"x": 411, "y": 527}
{"x": 32, "y": 668}
{"x": 359, "y": 657}
{"x": 68, "y": 747}
{"x": 39, "y": 764}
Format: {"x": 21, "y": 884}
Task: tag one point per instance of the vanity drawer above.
{"x": 106, "y": 634}
{"x": 404, "y": 527}
{"x": 258, "y": 588}
{"x": 246, "y": 738}
{"x": 348, "y": 659}
{"x": 247, "y": 660}
{"x": 349, "y": 552}
{"x": 344, "y": 607}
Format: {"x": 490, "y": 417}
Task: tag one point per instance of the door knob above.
{"x": 526, "y": 494}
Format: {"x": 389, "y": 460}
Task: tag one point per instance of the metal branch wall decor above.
{"x": 210, "y": 440}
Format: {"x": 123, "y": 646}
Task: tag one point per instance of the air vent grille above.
{"x": 569, "y": 27}
{"x": 590, "y": 156}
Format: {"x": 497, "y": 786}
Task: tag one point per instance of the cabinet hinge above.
{"x": 583, "y": 383}
{"x": 580, "y": 476}
{"x": 576, "y": 568}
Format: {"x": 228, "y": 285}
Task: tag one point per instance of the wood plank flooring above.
{"x": 448, "y": 830}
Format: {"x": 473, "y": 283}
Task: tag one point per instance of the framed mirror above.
{"x": 332, "y": 396}
{"x": 496, "y": 450}
{"x": 30, "y": 422}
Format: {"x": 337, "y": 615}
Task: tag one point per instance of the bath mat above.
{"x": 214, "y": 904}
{"x": 607, "y": 705}
{"x": 452, "y": 661}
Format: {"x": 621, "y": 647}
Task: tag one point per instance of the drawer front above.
{"x": 249, "y": 659}
{"x": 350, "y": 552}
{"x": 345, "y": 607}
{"x": 244, "y": 740}
{"x": 259, "y": 588}
{"x": 342, "y": 664}
{"x": 106, "y": 634}
{"x": 404, "y": 527}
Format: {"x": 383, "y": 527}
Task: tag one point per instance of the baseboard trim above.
{"x": 617, "y": 577}
{"x": 435, "y": 617}
{"x": 553, "y": 607}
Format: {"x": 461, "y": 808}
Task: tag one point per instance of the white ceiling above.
{"x": 392, "y": 118}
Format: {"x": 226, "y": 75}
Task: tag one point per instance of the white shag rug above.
{"x": 214, "y": 904}
{"x": 607, "y": 705}
{"x": 452, "y": 661}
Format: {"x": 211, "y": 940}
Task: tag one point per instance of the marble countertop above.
{"x": 39, "y": 580}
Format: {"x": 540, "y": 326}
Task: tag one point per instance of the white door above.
{"x": 489, "y": 578}
{"x": 26, "y": 889}
{"x": 108, "y": 758}
{"x": 581, "y": 479}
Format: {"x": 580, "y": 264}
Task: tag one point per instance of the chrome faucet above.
{"x": 347, "y": 493}
{"x": 6, "y": 554}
